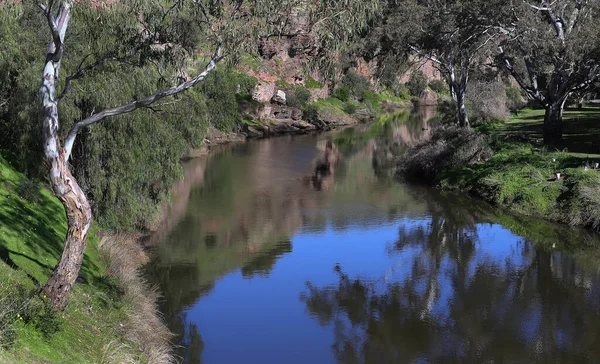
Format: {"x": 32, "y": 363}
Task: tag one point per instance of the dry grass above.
{"x": 449, "y": 146}
{"x": 145, "y": 327}
{"x": 11, "y": 305}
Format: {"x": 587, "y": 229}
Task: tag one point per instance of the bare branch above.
{"x": 533, "y": 94}
{"x": 137, "y": 104}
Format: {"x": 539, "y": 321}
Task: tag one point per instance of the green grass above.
{"x": 581, "y": 129}
{"x": 520, "y": 174}
{"x": 31, "y": 236}
{"x": 311, "y": 83}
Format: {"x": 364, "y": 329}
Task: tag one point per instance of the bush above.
{"x": 310, "y": 114}
{"x": 417, "y": 83}
{"x": 12, "y": 303}
{"x": 486, "y": 101}
{"x": 342, "y": 93}
{"x": 356, "y": 84}
{"x": 515, "y": 99}
{"x": 350, "y": 108}
{"x": 448, "y": 147}
{"x": 401, "y": 91}
{"x": 40, "y": 313}
{"x": 298, "y": 96}
{"x": 439, "y": 86}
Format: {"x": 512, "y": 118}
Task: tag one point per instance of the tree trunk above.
{"x": 553, "y": 124}
{"x": 461, "y": 110}
{"x": 79, "y": 216}
{"x": 77, "y": 207}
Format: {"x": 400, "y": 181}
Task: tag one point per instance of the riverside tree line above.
{"x": 106, "y": 86}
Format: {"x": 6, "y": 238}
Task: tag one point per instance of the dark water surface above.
{"x": 265, "y": 263}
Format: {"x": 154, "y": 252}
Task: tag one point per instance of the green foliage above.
{"x": 298, "y": 96}
{"x": 371, "y": 100}
{"x": 439, "y": 86}
{"x": 311, "y": 83}
{"x": 31, "y": 240}
{"x": 417, "y": 83}
{"x": 311, "y": 113}
{"x": 356, "y": 84}
{"x": 39, "y": 313}
{"x": 515, "y": 98}
{"x": 342, "y": 93}
{"x": 350, "y": 108}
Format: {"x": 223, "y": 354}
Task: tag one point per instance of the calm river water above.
{"x": 262, "y": 261}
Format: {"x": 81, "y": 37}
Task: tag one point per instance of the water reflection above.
{"x": 420, "y": 276}
{"x": 463, "y": 290}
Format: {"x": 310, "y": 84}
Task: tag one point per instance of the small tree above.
{"x": 417, "y": 83}
{"x": 230, "y": 27}
{"x": 457, "y": 36}
{"x": 552, "y": 50}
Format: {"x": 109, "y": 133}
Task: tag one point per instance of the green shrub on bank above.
{"x": 523, "y": 178}
{"x": 298, "y": 96}
{"x": 417, "y": 83}
{"x": 342, "y": 93}
{"x": 439, "y": 86}
{"x": 356, "y": 84}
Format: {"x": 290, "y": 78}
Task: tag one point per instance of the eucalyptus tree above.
{"x": 163, "y": 30}
{"x": 552, "y": 50}
{"x": 456, "y": 35}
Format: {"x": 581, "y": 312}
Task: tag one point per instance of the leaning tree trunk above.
{"x": 77, "y": 207}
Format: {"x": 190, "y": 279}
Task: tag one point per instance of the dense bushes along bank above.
{"x": 500, "y": 165}
{"x": 112, "y": 315}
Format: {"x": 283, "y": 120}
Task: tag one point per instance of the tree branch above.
{"x": 140, "y": 103}
{"x": 81, "y": 71}
{"x": 530, "y": 91}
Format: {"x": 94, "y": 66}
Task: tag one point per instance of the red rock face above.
{"x": 427, "y": 67}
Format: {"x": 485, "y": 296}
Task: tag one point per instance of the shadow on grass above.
{"x": 33, "y": 234}
{"x": 581, "y": 130}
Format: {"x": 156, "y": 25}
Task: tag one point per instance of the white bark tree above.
{"x": 552, "y": 51}
{"x": 232, "y": 26}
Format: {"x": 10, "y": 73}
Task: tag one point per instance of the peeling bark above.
{"x": 77, "y": 207}
{"x": 64, "y": 184}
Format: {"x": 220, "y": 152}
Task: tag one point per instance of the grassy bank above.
{"x": 521, "y": 173}
{"x": 97, "y": 325}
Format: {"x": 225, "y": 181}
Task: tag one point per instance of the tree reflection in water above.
{"x": 456, "y": 296}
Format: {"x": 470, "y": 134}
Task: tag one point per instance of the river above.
{"x": 263, "y": 260}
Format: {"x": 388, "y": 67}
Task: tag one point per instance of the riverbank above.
{"x": 559, "y": 183}
{"x": 111, "y": 317}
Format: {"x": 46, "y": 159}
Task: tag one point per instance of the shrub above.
{"x": 311, "y": 114}
{"x": 439, "y": 86}
{"x": 12, "y": 303}
{"x": 356, "y": 84}
{"x": 515, "y": 99}
{"x": 342, "y": 93}
{"x": 448, "y": 147}
{"x": 401, "y": 91}
{"x": 40, "y": 313}
{"x": 298, "y": 96}
{"x": 486, "y": 101}
{"x": 350, "y": 108}
{"x": 417, "y": 83}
